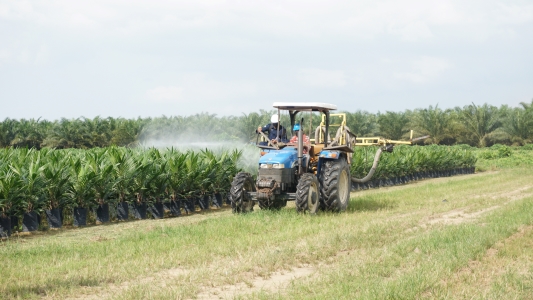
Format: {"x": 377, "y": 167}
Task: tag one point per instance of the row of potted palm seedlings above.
{"x": 409, "y": 163}
{"x": 70, "y": 184}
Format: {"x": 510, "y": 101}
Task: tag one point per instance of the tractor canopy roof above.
{"x": 300, "y": 106}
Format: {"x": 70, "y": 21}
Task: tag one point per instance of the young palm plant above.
{"x": 102, "y": 185}
{"x": 80, "y": 188}
{"x": 29, "y": 167}
{"x": 10, "y": 193}
{"x": 55, "y": 180}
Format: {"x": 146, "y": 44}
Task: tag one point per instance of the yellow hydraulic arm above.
{"x": 379, "y": 141}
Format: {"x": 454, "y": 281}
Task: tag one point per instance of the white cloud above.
{"x": 165, "y": 94}
{"x": 322, "y": 78}
{"x": 514, "y": 14}
{"x": 424, "y": 70}
{"x": 15, "y": 53}
{"x": 409, "y": 20}
{"x": 196, "y": 89}
{"x": 5, "y": 56}
{"x": 251, "y": 53}
{"x": 412, "y": 31}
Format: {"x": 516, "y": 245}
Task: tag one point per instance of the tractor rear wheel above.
{"x": 241, "y": 202}
{"x": 336, "y": 184}
{"x": 308, "y": 194}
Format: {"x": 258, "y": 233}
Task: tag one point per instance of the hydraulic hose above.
{"x": 372, "y": 170}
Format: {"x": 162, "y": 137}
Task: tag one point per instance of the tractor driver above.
{"x": 294, "y": 139}
{"x": 272, "y": 130}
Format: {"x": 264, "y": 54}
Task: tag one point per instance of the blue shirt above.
{"x": 273, "y": 132}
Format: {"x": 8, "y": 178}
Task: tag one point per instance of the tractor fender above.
{"x": 330, "y": 154}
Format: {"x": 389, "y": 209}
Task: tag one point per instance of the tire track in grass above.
{"x": 482, "y": 274}
{"x": 276, "y": 282}
{"x": 103, "y": 232}
{"x": 458, "y": 216}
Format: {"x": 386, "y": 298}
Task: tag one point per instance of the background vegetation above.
{"x": 475, "y": 125}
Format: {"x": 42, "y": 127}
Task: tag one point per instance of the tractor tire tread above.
{"x": 239, "y": 203}
{"x": 330, "y": 174}
{"x": 302, "y": 192}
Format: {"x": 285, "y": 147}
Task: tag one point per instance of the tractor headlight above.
{"x": 263, "y": 166}
{"x": 278, "y": 166}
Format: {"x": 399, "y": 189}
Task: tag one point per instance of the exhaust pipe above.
{"x": 300, "y": 149}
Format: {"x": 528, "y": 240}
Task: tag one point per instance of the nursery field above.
{"x": 465, "y": 236}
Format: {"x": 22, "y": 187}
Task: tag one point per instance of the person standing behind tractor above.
{"x": 273, "y": 135}
{"x": 294, "y": 139}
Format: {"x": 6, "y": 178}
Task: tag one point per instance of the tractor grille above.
{"x": 266, "y": 183}
{"x": 285, "y": 176}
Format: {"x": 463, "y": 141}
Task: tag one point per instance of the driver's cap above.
{"x": 274, "y": 119}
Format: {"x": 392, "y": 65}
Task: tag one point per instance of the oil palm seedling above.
{"x": 32, "y": 198}
{"x": 176, "y": 174}
{"x": 10, "y": 190}
{"x": 157, "y": 180}
{"x": 123, "y": 166}
{"x": 55, "y": 180}
{"x": 80, "y": 188}
{"x": 102, "y": 185}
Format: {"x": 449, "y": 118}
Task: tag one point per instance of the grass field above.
{"x": 463, "y": 237}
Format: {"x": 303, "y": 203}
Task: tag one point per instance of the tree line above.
{"x": 475, "y": 125}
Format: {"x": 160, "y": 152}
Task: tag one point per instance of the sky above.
{"x": 135, "y": 58}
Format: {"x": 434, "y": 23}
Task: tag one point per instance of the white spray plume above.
{"x": 183, "y": 142}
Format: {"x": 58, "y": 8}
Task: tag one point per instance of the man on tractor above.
{"x": 276, "y": 132}
{"x": 305, "y": 138}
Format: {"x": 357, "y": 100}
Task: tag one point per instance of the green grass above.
{"x": 389, "y": 244}
{"x": 492, "y": 158}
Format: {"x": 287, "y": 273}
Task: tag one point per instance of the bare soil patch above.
{"x": 460, "y": 215}
{"x": 277, "y": 281}
{"x": 103, "y": 293}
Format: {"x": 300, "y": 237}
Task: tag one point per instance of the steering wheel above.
{"x": 269, "y": 142}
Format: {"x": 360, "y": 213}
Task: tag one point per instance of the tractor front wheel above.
{"x": 308, "y": 194}
{"x": 241, "y": 202}
{"x": 336, "y": 184}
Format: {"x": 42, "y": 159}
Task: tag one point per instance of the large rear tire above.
{"x": 308, "y": 194}
{"x": 241, "y": 202}
{"x": 336, "y": 184}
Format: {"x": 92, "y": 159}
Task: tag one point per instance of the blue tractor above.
{"x": 316, "y": 175}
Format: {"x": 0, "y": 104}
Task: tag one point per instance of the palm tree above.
{"x": 7, "y": 132}
{"x": 393, "y": 125}
{"x": 128, "y": 132}
{"x": 517, "y": 125}
{"x": 361, "y": 123}
{"x": 479, "y": 120}
{"x": 29, "y": 133}
{"x": 434, "y": 122}
{"x": 64, "y": 134}
{"x": 247, "y": 125}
